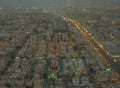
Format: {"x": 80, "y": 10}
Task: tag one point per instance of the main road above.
{"x": 98, "y": 47}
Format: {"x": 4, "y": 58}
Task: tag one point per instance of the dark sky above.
{"x": 52, "y": 3}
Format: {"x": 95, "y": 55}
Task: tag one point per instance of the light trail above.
{"x": 92, "y": 41}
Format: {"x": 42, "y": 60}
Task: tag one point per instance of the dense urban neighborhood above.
{"x": 76, "y": 48}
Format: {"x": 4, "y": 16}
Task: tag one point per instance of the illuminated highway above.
{"x": 47, "y": 50}
{"x": 99, "y": 48}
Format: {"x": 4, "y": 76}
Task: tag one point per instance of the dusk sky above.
{"x": 52, "y": 3}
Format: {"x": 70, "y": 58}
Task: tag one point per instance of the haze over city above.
{"x": 56, "y": 3}
{"x": 59, "y": 43}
